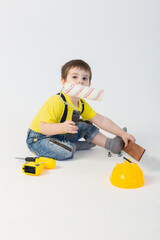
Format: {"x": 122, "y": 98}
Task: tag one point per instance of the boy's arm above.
{"x": 51, "y": 128}
{"x": 109, "y": 126}
{"x": 58, "y": 128}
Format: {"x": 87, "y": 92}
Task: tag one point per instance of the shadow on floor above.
{"x": 151, "y": 163}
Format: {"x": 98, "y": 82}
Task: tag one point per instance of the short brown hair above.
{"x": 75, "y": 63}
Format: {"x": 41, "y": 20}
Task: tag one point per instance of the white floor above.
{"x": 76, "y": 199}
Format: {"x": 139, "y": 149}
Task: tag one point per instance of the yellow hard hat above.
{"x": 127, "y": 175}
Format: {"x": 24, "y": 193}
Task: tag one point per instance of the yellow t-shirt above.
{"x": 53, "y": 109}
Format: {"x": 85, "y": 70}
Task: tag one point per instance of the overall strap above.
{"x": 82, "y": 106}
{"x": 63, "y": 119}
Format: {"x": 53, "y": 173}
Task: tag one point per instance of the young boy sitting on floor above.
{"x": 53, "y": 134}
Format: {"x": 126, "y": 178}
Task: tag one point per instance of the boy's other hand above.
{"x": 126, "y": 137}
{"x": 70, "y": 127}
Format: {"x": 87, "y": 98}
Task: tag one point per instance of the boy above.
{"x": 53, "y": 134}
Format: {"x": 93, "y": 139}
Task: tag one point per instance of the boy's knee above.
{"x": 65, "y": 155}
{"x": 87, "y": 130}
{"x": 61, "y": 151}
{"x": 53, "y": 148}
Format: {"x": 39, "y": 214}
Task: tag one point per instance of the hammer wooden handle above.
{"x": 134, "y": 150}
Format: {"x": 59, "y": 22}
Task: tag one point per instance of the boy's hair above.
{"x": 75, "y": 63}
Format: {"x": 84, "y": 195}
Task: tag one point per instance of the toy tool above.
{"x": 110, "y": 154}
{"x": 83, "y": 92}
{"x": 32, "y": 168}
{"x": 75, "y": 118}
{"x": 34, "y": 165}
{"x": 134, "y": 150}
{"x": 48, "y": 163}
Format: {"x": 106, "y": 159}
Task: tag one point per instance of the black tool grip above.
{"x": 75, "y": 118}
{"x": 30, "y": 159}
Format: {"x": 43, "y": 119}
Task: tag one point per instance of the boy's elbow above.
{"x": 42, "y": 127}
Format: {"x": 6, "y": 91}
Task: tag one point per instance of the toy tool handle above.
{"x": 30, "y": 159}
{"x": 48, "y": 163}
{"x": 134, "y": 150}
{"x": 75, "y": 118}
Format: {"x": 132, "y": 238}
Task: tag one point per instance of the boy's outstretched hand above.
{"x": 116, "y": 144}
{"x": 126, "y": 137}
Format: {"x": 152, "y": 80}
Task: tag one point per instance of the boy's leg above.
{"x": 100, "y": 140}
{"x": 115, "y": 145}
{"x": 83, "y": 145}
{"x": 53, "y": 148}
{"x": 50, "y": 147}
{"x": 87, "y": 131}
{"x": 57, "y": 147}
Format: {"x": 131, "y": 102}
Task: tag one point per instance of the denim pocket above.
{"x": 61, "y": 144}
{"x": 33, "y": 137}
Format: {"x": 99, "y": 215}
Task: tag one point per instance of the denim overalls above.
{"x": 59, "y": 147}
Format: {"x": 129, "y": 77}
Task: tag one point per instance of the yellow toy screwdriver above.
{"x": 31, "y": 168}
{"x": 34, "y": 165}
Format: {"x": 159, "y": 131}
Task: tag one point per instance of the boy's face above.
{"x": 77, "y": 76}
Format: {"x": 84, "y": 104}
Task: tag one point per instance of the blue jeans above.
{"x": 59, "y": 147}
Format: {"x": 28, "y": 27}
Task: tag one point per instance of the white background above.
{"x": 120, "y": 41}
